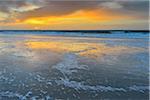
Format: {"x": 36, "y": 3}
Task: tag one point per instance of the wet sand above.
{"x": 74, "y": 68}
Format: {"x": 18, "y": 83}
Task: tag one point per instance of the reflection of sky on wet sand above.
{"x": 48, "y": 50}
{"x": 36, "y": 50}
{"x": 83, "y": 49}
{"x": 57, "y": 66}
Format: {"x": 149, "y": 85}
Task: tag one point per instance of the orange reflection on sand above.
{"x": 92, "y": 50}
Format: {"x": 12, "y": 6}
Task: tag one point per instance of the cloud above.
{"x": 10, "y": 8}
{"x": 58, "y": 8}
{"x": 111, "y": 5}
{"x": 24, "y": 9}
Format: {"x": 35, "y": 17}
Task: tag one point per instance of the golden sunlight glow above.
{"x": 84, "y": 49}
{"x": 77, "y": 17}
{"x": 83, "y": 19}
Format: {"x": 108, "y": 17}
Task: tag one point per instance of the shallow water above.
{"x": 58, "y": 67}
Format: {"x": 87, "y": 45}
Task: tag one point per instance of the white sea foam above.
{"x": 11, "y": 94}
{"x": 28, "y": 95}
{"x": 99, "y": 88}
{"x": 80, "y": 86}
{"x": 69, "y": 64}
{"x": 139, "y": 88}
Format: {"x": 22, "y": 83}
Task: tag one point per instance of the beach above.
{"x": 88, "y": 67}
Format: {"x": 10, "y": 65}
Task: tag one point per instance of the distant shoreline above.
{"x": 80, "y": 31}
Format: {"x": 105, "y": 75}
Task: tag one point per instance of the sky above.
{"x": 74, "y": 14}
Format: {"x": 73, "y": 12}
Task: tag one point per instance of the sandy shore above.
{"x": 53, "y": 67}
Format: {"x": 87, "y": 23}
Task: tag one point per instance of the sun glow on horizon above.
{"x": 82, "y": 19}
{"x": 74, "y": 15}
{"x": 77, "y": 17}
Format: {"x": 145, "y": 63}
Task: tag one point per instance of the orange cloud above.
{"x": 76, "y": 17}
{"x": 45, "y": 14}
{"x": 82, "y": 19}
